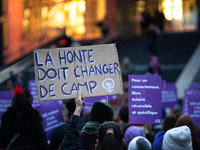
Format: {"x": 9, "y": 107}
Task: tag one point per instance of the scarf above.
{"x": 91, "y": 127}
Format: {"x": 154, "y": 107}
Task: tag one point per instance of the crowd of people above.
{"x": 154, "y": 67}
{"x": 21, "y": 128}
{"x": 21, "y": 125}
{"x": 178, "y": 131}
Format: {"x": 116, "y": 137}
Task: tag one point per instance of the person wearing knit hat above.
{"x": 99, "y": 113}
{"x": 132, "y": 132}
{"x": 139, "y": 143}
{"x": 169, "y": 122}
{"x": 178, "y": 138}
{"x": 186, "y": 120}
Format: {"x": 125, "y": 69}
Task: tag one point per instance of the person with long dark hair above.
{"x": 21, "y": 125}
{"x": 110, "y": 136}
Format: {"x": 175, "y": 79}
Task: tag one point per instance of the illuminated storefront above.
{"x": 69, "y": 16}
{"x": 182, "y": 14}
{"x": 29, "y": 24}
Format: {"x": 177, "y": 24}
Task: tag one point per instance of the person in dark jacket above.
{"x": 23, "y": 119}
{"x": 59, "y": 132}
{"x": 99, "y": 113}
{"x": 151, "y": 39}
{"x": 110, "y": 135}
{"x": 169, "y": 122}
{"x": 186, "y": 120}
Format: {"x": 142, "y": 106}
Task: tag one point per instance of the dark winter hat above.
{"x": 101, "y": 112}
{"x": 123, "y": 113}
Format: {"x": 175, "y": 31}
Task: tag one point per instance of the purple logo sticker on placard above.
{"x": 90, "y": 101}
{"x": 5, "y": 101}
{"x": 191, "y": 105}
{"x": 112, "y": 97}
{"x": 169, "y": 96}
{"x": 50, "y": 111}
{"x": 145, "y": 105}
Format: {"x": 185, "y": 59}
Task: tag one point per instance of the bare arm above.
{"x": 79, "y": 104}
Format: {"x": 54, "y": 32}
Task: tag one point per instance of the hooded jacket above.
{"x": 88, "y": 135}
{"x": 29, "y": 123}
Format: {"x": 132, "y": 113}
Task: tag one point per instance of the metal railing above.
{"x": 16, "y": 68}
{"x": 28, "y": 61}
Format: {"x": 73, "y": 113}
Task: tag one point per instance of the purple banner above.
{"x": 145, "y": 105}
{"x": 5, "y": 100}
{"x": 90, "y": 101}
{"x": 169, "y": 96}
{"x": 50, "y": 111}
{"x": 191, "y": 105}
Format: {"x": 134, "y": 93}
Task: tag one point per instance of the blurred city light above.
{"x": 69, "y": 16}
{"x": 172, "y": 9}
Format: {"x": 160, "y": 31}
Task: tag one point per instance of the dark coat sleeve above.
{"x": 41, "y": 137}
{"x": 2, "y": 140}
{"x": 71, "y": 139}
{"x": 56, "y": 137}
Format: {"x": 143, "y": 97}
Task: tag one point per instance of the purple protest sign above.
{"x": 195, "y": 86}
{"x": 90, "y": 101}
{"x": 145, "y": 105}
{"x": 33, "y": 91}
{"x": 191, "y": 105}
{"x": 52, "y": 116}
{"x": 169, "y": 96}
{"x": 5, "y": 101}
{"x": 163, "y": 84}
{"x": 50, "y": 111}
